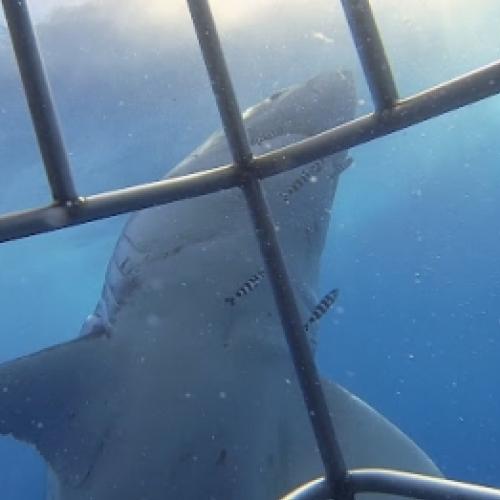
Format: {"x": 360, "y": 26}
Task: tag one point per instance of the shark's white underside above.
{"x": 172, "y": 393}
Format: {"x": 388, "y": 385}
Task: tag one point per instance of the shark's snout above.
{"x": 333, "y": 98}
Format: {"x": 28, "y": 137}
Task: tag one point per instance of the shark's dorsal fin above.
{"x": 44, "y": 399}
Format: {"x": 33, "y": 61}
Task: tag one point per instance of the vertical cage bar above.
{"x": 40, "y": 101}
{"x": 305, "y": 367}
{"x": 220, "y": 80}
{"x": 290, "y": 317}
{"x": 371, "y": 53}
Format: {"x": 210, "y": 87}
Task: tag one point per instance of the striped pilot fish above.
{"x": 250, "y": 284}
{"x": 322, "y": 308}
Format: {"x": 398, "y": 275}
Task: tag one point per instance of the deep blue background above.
{"x": 415, "y": 239}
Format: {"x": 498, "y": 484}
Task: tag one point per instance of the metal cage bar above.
{"x": 371, "y": 52}
{"x": 220, "y": 80}
{"x": 398, "y": 483}
{"x": 467, "y": 89}
{"x": 43, "y": 114}
{"x": 391, "y": 115}
{"x": 291, "y": 321}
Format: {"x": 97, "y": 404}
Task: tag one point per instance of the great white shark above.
{"x": 171, "y": 391}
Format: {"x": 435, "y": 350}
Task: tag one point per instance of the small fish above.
{"x": 246, "y": 288}
{"x": 322, "y": 308}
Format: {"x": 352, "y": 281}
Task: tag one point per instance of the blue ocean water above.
{"x": 414, "y": 245}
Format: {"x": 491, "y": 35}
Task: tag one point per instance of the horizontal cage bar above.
{"x": 479, "y": 84}
{"x": 393, "y": 482}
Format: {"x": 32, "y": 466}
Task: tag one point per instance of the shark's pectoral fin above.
{"x": 368, "y": 439}
{"x": 44, "y": 400}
